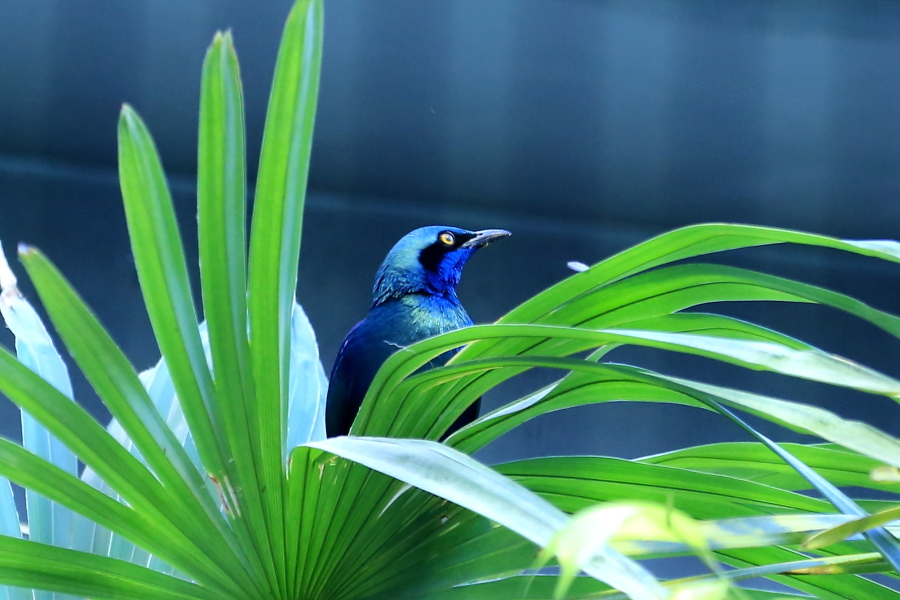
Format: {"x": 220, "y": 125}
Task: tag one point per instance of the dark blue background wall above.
{"x": 582, "y": 126}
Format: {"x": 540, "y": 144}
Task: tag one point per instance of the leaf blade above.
{"x": 458, "y": 478}
{"x": 33, "y": 565}
{"x": 116, "y": 383}
{"x": 162, "y": 272}
{"x": 275, "y": 250}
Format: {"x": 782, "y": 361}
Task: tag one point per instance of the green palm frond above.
{"x": 215, "y": 480}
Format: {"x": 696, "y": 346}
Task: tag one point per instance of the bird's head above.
{"x": 429, "y": 260}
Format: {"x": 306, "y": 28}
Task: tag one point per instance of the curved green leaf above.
{"x": 275, "y": 249}
{"x": 116, "y": 383}
{"x": 409, "y": 414}
{"x": 848, "y": 587}
{"x": 221, "y": 217}
{"x": 576, "y": 482}
{"x": 60, "y": 487}
{"x": 595, "y": 527}
{"x": 854, "y": 435}
{"x": 812, "y": 364}
{"x": 159, "y": 257}
{"x": 456, "y": 477}
{"x": 686, "y": 242}
{"x": 101, "y": 452}
{"x": 846, "y": 530}
{"x": 754, "y": 462}
{"x": 886, "y": 543}
{"x": 827, "y": 565}
{"x": 33, "y": 565}
{"x": 578, "y": 388}
{"x": 118, "y": 386}
{"x": 601, "y": 306}
{"x": 48, "y": 523}
{"x": 540, "y": 587}
{"x": 519, "y": 587}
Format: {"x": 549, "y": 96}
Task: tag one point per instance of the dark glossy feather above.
{"x": 414, "y": 298}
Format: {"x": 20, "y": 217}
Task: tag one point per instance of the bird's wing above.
{"x": 358, "y": 360}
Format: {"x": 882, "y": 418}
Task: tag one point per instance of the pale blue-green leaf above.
{"x": 305, "y": 364}
{"x": 886, "y": 543}
{"x": 808, "y": 566}
{"x": 887, "y": 247}
{"x": 462, "y": 480}
{"x": 9, "y": 516}
{"x": 593, "y": 528}
{"x": 744, "y": 532}
{"x": 820, "y": 564}
{"x": 810, "y": 364}
{"x": 308, "y": 385}
{"x": 9, "y": 526}
{"x": 308, "y": 388}
{"x": 850, "y": 528}
{"x": 855, "y": 435}
{"x": 48, "y": 522}
{"x": 159, "y": 386}
{"x": 540, "y": 587}
{"x": 102, "y": 541}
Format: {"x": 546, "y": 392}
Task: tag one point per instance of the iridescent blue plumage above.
{"x": 414, "y": 298}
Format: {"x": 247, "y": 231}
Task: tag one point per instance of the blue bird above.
{"x": 414, "y": 298}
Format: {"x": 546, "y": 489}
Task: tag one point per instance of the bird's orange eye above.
{"x": 447, "y": 238}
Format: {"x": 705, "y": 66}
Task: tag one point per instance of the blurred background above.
{"x": 583, "y": 126}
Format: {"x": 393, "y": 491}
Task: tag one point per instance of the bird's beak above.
{"x": 485, "y": 237}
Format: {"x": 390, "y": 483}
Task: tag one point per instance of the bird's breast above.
{"x": 414, "y": 318}
{"x": 429, "y": 316}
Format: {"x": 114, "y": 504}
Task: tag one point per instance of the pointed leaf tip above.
{"x": 128, "y": 116}
{"x": 7, "y": 277}
{"x": 214, "y": 45}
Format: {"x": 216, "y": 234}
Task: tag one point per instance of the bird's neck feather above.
{"x": 393, "y": 284}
